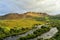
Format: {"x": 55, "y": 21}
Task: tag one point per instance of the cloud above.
{"x": 19, "y": 6}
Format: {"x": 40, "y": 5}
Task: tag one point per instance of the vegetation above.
{"x": 54, "y": 23}
{"x": 35, "y": 34}
{"x": 17, "y": 24}
{"x": 4, "y": 32}
{"x": 57, "y": 36}
{"x": 16, "y": 27}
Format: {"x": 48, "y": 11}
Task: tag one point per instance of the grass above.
{"x": 19, "y": 23}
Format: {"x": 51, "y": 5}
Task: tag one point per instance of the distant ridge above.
{"x": 24, "y": 15}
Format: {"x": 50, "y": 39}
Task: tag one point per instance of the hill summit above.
{"x": 23, "y": 15}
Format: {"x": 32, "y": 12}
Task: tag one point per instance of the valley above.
{"x": 29, "y": 26}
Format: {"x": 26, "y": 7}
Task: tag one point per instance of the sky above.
{"x": 51, "y": 7}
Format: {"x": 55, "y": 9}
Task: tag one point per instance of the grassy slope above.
{"x": 19, "y": 23}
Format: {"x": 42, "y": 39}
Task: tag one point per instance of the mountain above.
{"x": 36, "y": 14}
{"x": 24, "y": 15}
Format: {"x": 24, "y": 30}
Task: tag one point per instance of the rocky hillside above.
{"x": 24, "y": 15}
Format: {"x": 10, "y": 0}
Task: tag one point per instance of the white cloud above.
{"x": 49, "y": 6}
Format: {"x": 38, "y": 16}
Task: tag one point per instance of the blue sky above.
{"x": 21, "y": 6}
